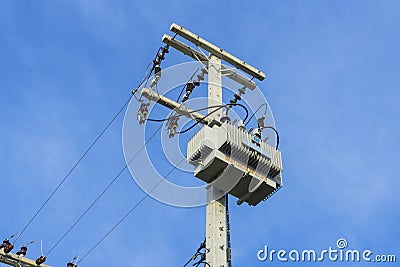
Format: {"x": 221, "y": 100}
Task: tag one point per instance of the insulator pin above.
{"x": 40, "y": 260}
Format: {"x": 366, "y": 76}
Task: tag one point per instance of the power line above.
{"x": 201, "y": 109}
{"x": 102, "y": 193}
{"x": 183, "y": 88}
{"x": 276, "y": 133}
{"x": 128, "y": 213}
{"x": 212, "y": 112}
{"x": 73, "y": 168}
{"x": 255, "y": 112}
{"x": 198, "y": 253}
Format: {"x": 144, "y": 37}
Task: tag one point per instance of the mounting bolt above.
{"x": 221, "y": 247}
{"x": 221, "y": 228}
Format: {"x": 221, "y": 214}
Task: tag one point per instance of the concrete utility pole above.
{"x": 268, "y": 157}
{"x": 216, "y": 208}
{"x": 18, "y": 261}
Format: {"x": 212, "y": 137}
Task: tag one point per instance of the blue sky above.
{"x": 332, "y": 68}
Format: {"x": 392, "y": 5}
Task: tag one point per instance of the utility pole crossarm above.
{"x": 187, "y": 50}
{"x": 16, "y": 261}
{"x": 178, "y": 108}
{"x": 218, "y": 52}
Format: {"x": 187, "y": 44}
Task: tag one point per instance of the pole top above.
{"x": 218, "y": 52}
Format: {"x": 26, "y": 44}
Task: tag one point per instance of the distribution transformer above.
{"x": 236, "y": 162}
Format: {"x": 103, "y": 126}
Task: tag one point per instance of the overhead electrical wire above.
{"x": 201, "y": 109}
{"x": 198, "y": 253}
{"x": 128, "y": 213}
{"x": 102, "y": 193}
{"x": 183, "y": 88}
{"x": 212, "y": 112}
{"x": 276, "y": 133}
{"x": 145, "y": 79}
{"x": 73, "y": 168}
{"x": 265, "y": 127}
{"x": 199, "y": 121}
{"x": 255, "y": 112}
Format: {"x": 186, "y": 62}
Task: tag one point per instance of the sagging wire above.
{"x": 212, "y": 112}
{"x": 102, "y": 193}
{"x": 73, "y": 168}
{"x": 172, "y": 121}
{"x": 186, "y": 113}
{"x": 255, "y": 112}
{"x": 197, "y": 110}
{"x": 129, "y": 212}
{"x": 276, "y": 133}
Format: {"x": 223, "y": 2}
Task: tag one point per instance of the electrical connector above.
{"x": 142, "y": 113}
{"x": 172, "y": 125}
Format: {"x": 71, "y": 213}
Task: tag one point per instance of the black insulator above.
{"x": 161, "y": 56}
{"x": 242, "y": 90}
{"x": 157, "y": 70}
{"x": 225, "y": 119}
{"x": 189, "y": 87}
{"x": 200, "y": 76}
{"x": 8, "y": 248}
{"x": 196, "y": 83}
{"x": 237, "y": 97}
{"x": 185, "y": 98}
{"x": 165, "y": 49}
{"x": 40, "y": 260}
{"x": 233, "y": 101}
{"x": 22, "y": 251}
{"x": 70, "y": 264}
{"x": 5, "y": 243}
{"x": 156, "y": 61}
